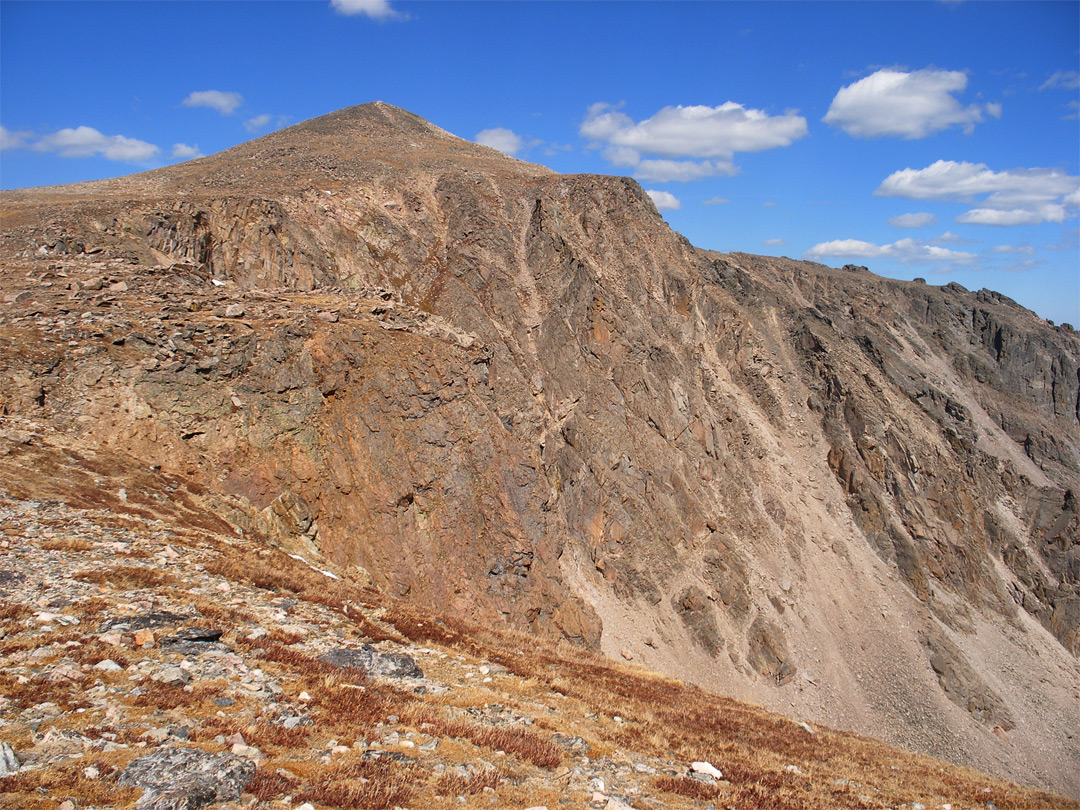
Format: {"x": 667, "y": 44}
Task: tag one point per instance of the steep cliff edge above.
{"x": 520, "y": 396}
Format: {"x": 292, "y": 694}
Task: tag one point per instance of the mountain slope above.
{"x": 521, "y": 396}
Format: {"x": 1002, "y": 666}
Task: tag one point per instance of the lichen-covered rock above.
{"x": 373, "y": 662}
{"x": 187, "y": 778}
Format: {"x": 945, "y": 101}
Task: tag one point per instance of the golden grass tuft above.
{"x": 126, "y": 577}
{"x": 456, "y": 784}
{"x": 368, "y": 785}
{"x": 685, "y": 786}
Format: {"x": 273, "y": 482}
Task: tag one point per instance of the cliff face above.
{"x": 520, "y": 396}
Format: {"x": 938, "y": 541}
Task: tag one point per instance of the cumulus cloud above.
{"x": 664, "y": 200}
{"x": 920, "y": 220}
{"x": 183, "y": 151}
{"x": 1068, "y": 79}
{"x": 224, "y": 102}
{"x": 88, "y": 142}
{"x": 380, "y": 10}
{"x": 688, "y": 143}
{"x": 906, "y": 251}
{"x": 13, "y": 140}
{"x": 505, "y": 140}
{"x": 906, "y": 105}
{"x": 1012, "y": 197}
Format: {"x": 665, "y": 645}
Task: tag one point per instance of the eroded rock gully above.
{"x": 520, "y": 396}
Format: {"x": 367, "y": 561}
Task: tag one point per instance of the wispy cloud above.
{"x": 379, "y": 10}
{"x": 84, "y": 141}
{"x": 184, "y": 151}
{"x": 950, "y": 238}
{"x": 688, "y": 143}
{"x": 258, "y": 122}
{"x": 664, "y": 200}
{"x": 920, "y": 220}
{"x": 1025, "y": 250}
{"x": 774, "y": 242}
{"x": 1067, "y": 79}
{"x": 1012, "y": 197}
{"x": 716, "y": 201}
{"x": 225, "y": 103}
{"x": 910, "y": 105}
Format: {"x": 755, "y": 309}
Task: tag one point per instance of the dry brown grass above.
{"x": 685, "y": 786}
{"x": 456, "y": 784}
{"x": 25, "y": 789}
{"x": 268, "y": 785}
{"x": 369, "y": 785}
{"x": 67, "y": 544}
{"x": 126, "y": 577}
{"x": 94, "y": 652}
{"x": 166, "y": 698}
{"x": 64, "y": 693}
{"x": 526, "y": 745}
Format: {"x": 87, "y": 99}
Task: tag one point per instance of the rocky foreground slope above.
{"x": 519, "y": 396}
{"x": 148, "y": 661}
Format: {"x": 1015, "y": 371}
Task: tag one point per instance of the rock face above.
{"x": 520, "y": 396}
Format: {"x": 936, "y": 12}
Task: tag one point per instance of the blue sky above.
{"x": 930, "y": 139}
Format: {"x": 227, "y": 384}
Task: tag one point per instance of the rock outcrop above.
{"x": 522, "y": 397}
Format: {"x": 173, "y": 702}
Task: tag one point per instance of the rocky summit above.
{"x": 362, "y": 412}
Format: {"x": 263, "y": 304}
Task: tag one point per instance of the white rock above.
{"x": 707, "y": 769}
{"x": 9, "y": 763}
{"x": 108, "y": 665}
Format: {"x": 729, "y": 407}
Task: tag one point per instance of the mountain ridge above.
{"x": 522, "y": 396}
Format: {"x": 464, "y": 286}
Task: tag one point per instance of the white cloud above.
{"x": 1074, "y": 111}
{"x": 664, "y": 200}
{"x": 950, "y": 238}
{"x": 1012, "y": 197}
{"x": 716, "y": 201}
{"x": 224, "y": 102}
{"x": 185, "y": 152}
{"x": 13, "y": 140}
{"x": 1026, "y": 250}
{"x": 906, "y": 105}
{"x": 906, "y": 251}
{"x": 505, "y": 140}
{"x": 375, "y": 9}
{"x": 920, "y": 220}
{"x": 712, "y": 135}
{"x": 1013, "y": 216}
{"x": 258, "y": 122}
{"x": 87, "y": 142}
{"x": 774, "y": 242}
{"x": 1068, "y": 79}
{"x": 663, "y": 170}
